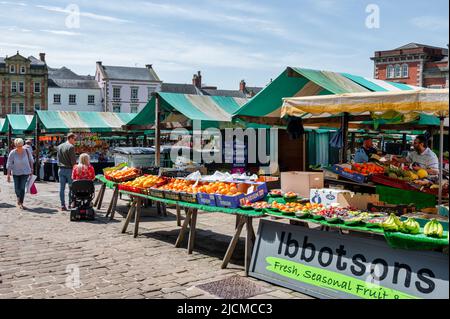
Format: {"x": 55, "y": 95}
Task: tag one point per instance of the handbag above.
{"x": 30, "y": 186}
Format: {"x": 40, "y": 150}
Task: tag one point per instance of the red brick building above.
{"x": 413, "y": 64}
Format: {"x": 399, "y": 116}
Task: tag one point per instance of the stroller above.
{"x": 82, "y": 194}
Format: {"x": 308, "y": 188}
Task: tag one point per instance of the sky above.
{"x": 227, "y": 40}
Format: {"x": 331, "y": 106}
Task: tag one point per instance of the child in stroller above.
{"x": 83, "y": 190}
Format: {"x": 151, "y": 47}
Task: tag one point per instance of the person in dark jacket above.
{"x": 66, "y": 158}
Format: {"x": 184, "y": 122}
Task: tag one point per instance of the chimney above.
{"x": 99, "y": 63}
{"x": 242, "y": 86}
{"x": 42, "y": 57}
{"x": 197, "y": 80}
{"x": 149, "y": 66}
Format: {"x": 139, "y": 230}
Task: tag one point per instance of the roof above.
{"x": 130, "y": 73}
{"x": 33, "y": 61}
{"x": 253, "y": 89}
{"x": 192, "y": 107}
{"x": 414, "y": 45}
{"x": 229, "y": 93}
{"x": 180, "y": 88}
{"x": 298, "y": 82}
{"x": 66, "y": 78}
{"x": 66, "y": 121}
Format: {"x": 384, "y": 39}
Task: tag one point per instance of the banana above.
{"x": 433, "y": 229}
{"x": 391, "y": 224}
{"x": 411, "y": 226}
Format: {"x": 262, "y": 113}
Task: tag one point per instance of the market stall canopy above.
{"x": 427, "y": 101}
{"x": 185, "y": 107}
{"x": 19, "y": 123}
{"x": 2, "y": 122}
{"x": 96, "y": 122}
{"x": 299, "y": 82}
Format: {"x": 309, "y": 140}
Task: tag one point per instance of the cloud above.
{"x": 20, "y": 4}
{"x": 18, "y": 45}
{"x": 431, "y": 23}
{"x": 61, "y": 32}
{"x": 83, "y": 14}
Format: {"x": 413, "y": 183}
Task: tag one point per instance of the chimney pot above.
{"x": 242, "y": 86}
{"x": 42, "y": 56}
{"x": 99, "y": 62}
{"x": 148, "y": 66}
{"x": 197, "y": 80}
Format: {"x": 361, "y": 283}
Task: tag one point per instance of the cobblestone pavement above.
{"x": 42, "y": 252}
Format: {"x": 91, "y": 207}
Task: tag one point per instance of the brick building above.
{"x": 23, "y": 84}
{"x": 414, "y": 64}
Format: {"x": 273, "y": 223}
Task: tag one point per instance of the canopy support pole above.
{"x": 344, "y": 126}
{"x": 404, "y": 142}
{"x": 157, "y": 133}
{"x": 441, "y": 158}
{"x": 9, "y": 137}
{"x": 36, "y": 139}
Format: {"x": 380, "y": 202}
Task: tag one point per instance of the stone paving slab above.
{"x": 43, "y": 254}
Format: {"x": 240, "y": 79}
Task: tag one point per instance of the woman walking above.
{"x": 20, "y": 164}
{"x": 84, "y": 169}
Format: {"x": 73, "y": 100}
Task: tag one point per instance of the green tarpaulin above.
{"x": 19, "y": 123}
{"x": 184, "y": 107}
{"x": 96, "y": 122}
{"x": 297, "y": 82}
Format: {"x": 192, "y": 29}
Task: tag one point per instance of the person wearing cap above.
{"x": 365, "y": 152}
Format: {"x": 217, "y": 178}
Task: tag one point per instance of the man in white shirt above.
{"x": 422, "y": 157}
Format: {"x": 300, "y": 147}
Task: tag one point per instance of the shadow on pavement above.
{"x": 6, "y": 205}
{"x": 40, "y": 210}
{"x": 206, "y": 243}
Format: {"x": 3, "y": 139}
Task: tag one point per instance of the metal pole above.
{"x": 441, "y": 158}
{"x": 36, "y": 137}
{"x": 157, "y": 134}
{"x": 344, "y": 126}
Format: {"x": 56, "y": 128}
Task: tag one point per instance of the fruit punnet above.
{"x": 433, "y": 229}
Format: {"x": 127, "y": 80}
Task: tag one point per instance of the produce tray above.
{"x": 172, "y": 195}
{"x": 188, "y": 197}
{"x": 392, "y": 182}
{"x": 356, "y": 177}
{"x": 155, "y": 192}
{"x": 121, "y": 180}
{"x": 132, "y": 189}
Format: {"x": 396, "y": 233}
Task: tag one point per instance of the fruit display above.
{"x": 411, "y": 226}
{"x": 367, "y": 168}
{"x": 290, "y": 195}
{"x": 260, "y": 205}
{"x": 402, "y": 174}
{"x": 433, "y": 229}
{"x": 275, "y": 193}
{"x": 145, "y": 181}
{"x": 392, "y": 224}
{"x": 221, "y": 188}
{"x": 125, "y": 174}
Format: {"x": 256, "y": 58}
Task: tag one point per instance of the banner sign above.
{"x": 333, "y": 265}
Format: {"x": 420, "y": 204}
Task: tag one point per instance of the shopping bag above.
{"x": 33, "y": 189}
{"x": 30, "y": 182}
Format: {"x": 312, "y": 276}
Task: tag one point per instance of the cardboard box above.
{"x": 259, "y": 192}
{"x": 206, "y": 199}
{"x": 301, "y": 182}
{"x": 328, "y": 196}
{"x": 344, "y": 198}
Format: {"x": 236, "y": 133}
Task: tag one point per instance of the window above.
{"x": 405, "y": 71}
{"x": 13, "y": 87}
{"x": 72, "y": 99}
{"x": 56, "y": 98}
{"x": 37, "y": 87}
{"x": 21, "y": 87}
{"x": 37, "y": 106}
{"x": 21, "y": 108}
{"x": 22, "y": 69}
{"x": 134, "y": 93}
{"x": 397, "y": 71}
{"x": 12, "y": 69}
{"x": 390, "y": 71}
{"x": 13, "y": 108}
{"x": 116, "y": 108}
{"x": 133, "y": 108}
{"x": 150, "y": 92}
{"x": 91, "y": 99}
{"x": 116, "y": 93}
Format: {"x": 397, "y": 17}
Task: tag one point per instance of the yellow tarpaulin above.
{"x": 428, "y": 101}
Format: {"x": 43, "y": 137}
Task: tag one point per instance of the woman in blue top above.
{"x": 20, "y": 164}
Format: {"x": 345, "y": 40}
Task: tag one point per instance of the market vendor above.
{"x": 422, "y": 157}
{"x": 365, "y": 152}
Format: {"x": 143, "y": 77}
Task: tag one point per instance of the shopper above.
{"x": 20, "y": 165}
{"x": 83, "y": 170}
{"x": 66, "y": 158}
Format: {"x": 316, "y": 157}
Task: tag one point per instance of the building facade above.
{"x": 68, "y": 91}
{"x": 23, "y": 84}
{"x": 413, "y": 64}
{"x": 126, "y": 89}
